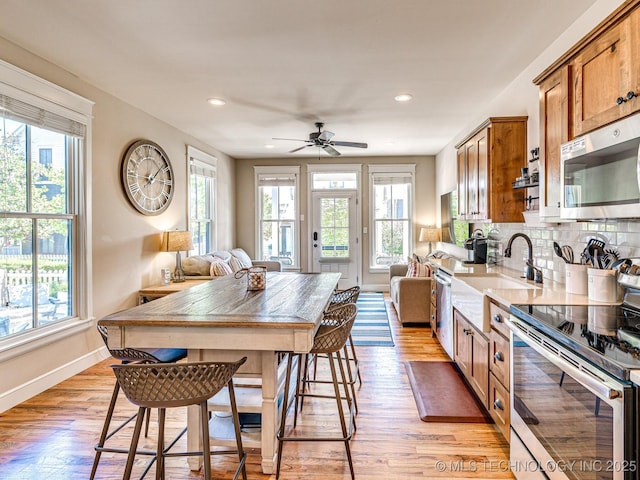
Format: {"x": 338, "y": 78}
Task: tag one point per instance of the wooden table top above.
{"x": 290, "y": 300}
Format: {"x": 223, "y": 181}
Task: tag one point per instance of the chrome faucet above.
{"x": 532, "y": 273}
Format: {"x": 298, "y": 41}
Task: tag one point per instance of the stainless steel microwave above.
{"x": 600, "y": 173}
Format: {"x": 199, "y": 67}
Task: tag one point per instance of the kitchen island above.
{"x": 221, "y": 320}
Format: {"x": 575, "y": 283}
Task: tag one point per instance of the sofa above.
{"x": 411, "y": 296}
{"x": 223, "y": 262}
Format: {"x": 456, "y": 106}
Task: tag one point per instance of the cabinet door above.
{"x": 604, "y": 72}
{"x": 462, "y": 184}
{"x": 499, "y": 357}
{"x": 482, "y": 148}
{"x": 555, "y": 128}
{"x": 471, "y": 154}
{"x": 462, "y": 346}
{"x": 479, "y": 377}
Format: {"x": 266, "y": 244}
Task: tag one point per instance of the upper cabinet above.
{"x": 555, "y": 128}
{"x": 489, "y": 158}
{"x": 606, "y": 77}
{"x": 595, "y": 83}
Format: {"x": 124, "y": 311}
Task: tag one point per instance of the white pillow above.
{"x": 197, "y": 265}
{"x": 219, "y": 268}
{"x": 242, "y": 256}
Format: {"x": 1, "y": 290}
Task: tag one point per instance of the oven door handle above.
{"x": 600, "y": 388}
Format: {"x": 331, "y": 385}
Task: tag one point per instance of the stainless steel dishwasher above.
{"x": 444, "y": 311}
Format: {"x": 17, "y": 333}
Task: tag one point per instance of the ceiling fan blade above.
{"x": 350, "y": 144}
{"x": 292, "y": 139}
{"x": 331, "y": 151}
{"x": 298, "y": 149}
{"x": 326, "y": 135}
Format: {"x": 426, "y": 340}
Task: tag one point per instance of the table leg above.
{"x": 269, "y": 411}
{"x": 194, "y": 437}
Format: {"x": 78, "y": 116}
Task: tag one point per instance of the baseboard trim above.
{"x": 38, "y": 385}
{"x": 375, "y": 288}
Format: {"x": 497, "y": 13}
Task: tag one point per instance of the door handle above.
{"x": 315, "y": 236}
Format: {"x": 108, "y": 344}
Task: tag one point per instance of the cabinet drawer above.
{"x": 498, "y": 316}
{"x": 499, "y": 357}
{"x": 499, "y": 405}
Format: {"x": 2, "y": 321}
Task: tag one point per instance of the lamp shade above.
{"x": 429, "y": 234}
{"x": 176, "y": 241}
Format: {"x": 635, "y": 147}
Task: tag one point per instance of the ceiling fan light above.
{"x": 218, "y": 102}
{"x": 269, "y": 145}
{"x": 403, "y": 97}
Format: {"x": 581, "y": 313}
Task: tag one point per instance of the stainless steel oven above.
{"x": 576, "y": 420}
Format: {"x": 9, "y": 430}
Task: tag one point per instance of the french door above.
{"x": 334, "y": 239}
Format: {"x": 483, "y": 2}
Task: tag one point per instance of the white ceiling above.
{"x": 282, "y": 65}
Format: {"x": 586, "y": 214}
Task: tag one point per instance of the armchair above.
{"x": 410, "y": 295}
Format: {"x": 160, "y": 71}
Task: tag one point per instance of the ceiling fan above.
{"x": 322, "y": 139}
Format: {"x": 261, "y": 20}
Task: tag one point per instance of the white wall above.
{"x": 125, "y": 243}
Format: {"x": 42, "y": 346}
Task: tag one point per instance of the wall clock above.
{"x": 147, "y": 177}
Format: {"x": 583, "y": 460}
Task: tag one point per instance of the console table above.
{"x": 220, "y": 320}
{"x": 148, "y": 294}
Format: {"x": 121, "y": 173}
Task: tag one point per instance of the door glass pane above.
{"x": 334, "y": 227}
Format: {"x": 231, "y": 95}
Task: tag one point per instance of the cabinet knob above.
{"x": 498, "y": 404}
{"x": 630, "y": 95}
{"x": 467, "y": 331}
{"x": 498, "y": 356}
{"x": 620, "y": 100}
{"x": 497, "y": 318}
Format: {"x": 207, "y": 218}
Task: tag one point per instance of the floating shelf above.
{"x": 523, "y": 184}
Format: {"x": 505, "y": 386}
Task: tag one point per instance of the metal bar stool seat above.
{"x": 168, "y": 385}
{"x": 130, "y": 355}
{"x": 330, "y": 339}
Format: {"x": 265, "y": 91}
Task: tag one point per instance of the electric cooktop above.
{"x": 606, "y": 335}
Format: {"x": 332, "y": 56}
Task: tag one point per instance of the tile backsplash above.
{"x": 621, "y": 236}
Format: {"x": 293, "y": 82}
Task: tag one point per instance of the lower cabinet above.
{"x": 471, "y": 353}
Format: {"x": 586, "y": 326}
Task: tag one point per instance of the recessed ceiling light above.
{"x": 403, "y": 97}
{"x": 268, "y": 145}
{"x": 218, "y": 102}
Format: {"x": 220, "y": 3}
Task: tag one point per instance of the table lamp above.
{"x": 429, "y": 234}
{"x": 177, "y": 241}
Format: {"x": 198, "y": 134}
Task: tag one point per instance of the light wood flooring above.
{"x": 52, "y": 435}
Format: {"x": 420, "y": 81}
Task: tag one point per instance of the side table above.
{"x": 157, "y": 291}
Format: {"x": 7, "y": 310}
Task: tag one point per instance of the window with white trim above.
{"x": 43, "y": 195}
{"x": 278, "y": 229}
{"x": 202, "y": 190}
{"x": 391, "y": 188}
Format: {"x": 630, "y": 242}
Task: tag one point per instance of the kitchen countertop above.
{"x": 547, "y": 293}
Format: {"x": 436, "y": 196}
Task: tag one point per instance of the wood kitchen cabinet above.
{"x": 489, "y": 159}
{"x": 606, "y": 76}
{"x": 471, "y": 353}
{"x": 499, "y": 361}
{"x": 555, "y": 129}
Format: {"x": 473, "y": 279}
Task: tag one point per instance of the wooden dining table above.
{"x": 221, "y": 320}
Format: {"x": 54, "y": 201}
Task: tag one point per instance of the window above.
{"x": 391, "y": 188}
{"x": 277, "y": 215}
{"x": 43, "y": 247}
{"x": 202, "y": 181}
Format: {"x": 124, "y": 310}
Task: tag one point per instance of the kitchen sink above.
{"x": 496, "y": 281}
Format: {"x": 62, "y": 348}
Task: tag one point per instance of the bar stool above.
{"x": 340, "y": 297}
{"x": 330, "y": 339}
{"x": 130, "y": 355}
{"x": 168, "y": 385}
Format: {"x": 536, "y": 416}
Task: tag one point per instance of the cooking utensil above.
{"x": 567, "y": 253}
{"x": 558, "y": 250}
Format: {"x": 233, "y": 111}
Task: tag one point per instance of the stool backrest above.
{"x": 126, "y": 354}
{"x": 341, "y": 297}
{"x": 335, "y": 328}
{"x": 166, "y": 385}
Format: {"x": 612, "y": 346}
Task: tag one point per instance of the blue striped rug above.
{"x": 372, "y": 324}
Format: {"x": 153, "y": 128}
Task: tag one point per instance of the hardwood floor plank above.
{"x": 52, "y": 435}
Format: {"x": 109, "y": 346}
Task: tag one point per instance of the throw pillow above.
{"x": 197, "y": 265}
{"x": 219, "y": 268}
{"x": 242, "y": 256}
{"x": 235, "y": 264}
{"x": 417, "y": 269}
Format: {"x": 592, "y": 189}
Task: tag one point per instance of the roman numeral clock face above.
{"x": 147, "y": 177}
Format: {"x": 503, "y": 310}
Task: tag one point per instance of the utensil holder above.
{"x": 576, "y": 278}
{"x": 603, "y": 285}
